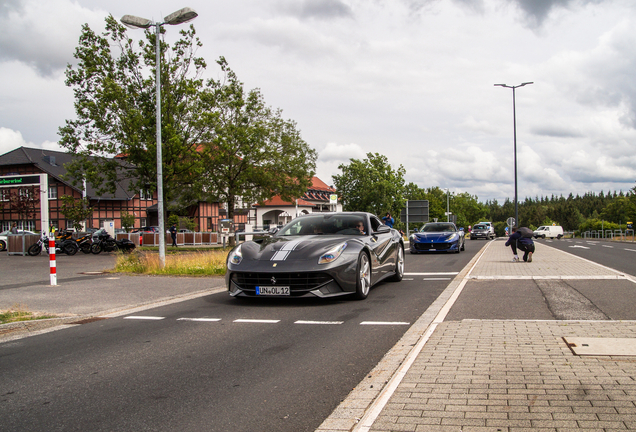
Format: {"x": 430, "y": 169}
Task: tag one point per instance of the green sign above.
{"x": 18, "y": 181}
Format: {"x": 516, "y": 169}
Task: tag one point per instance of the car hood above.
{"x": 293, "y": 248}
{"x": 434, "y": 237}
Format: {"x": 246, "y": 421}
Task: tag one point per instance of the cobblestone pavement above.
{"x": 498, "y": 375}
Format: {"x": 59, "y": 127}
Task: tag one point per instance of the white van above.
{"x": 549, "y": 231}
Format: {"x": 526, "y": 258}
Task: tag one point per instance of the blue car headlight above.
{"x": 236, "y": 256}
{"x": 450, "y": 237}
{"x": 332, "y": 254}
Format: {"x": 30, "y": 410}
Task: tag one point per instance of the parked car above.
{"x": 549, "y": 231}
{"x": 318, "y": 255}
{"x": 4, "y": 237}
{"x": 147, "y": 229}
{"x": 482, "y": 230}
{"x": 437, "y": 237}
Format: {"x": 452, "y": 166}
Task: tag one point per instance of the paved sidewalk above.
{"x": 498, "y": 375}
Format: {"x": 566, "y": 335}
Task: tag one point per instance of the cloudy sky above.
{"x": 410, "y": 79}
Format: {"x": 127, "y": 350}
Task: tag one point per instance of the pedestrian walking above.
{"x": 14, "y": 228}
{"x": 521, "y": 238}
{"x": 173, "y": 234}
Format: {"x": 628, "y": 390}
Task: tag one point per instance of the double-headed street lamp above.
{"x": 514, "y": 123}
{"x": 179, "y": 17}
{"x": 447, "y": 205}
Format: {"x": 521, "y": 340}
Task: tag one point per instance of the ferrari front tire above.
{"x": 363, "y": 277}
{"x": 399, "y": 265}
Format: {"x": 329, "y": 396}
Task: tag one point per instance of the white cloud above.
{"x": 10, "y": 140}
{"x": 412, "y": 80}
{"x": 43, "y": 34}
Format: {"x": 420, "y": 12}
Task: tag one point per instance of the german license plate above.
{"x": 272, "y": 290}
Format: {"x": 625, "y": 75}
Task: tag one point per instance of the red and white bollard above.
{"x": 52, "y": 259}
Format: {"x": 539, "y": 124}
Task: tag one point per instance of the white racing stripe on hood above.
{"x": 284, "y": 252}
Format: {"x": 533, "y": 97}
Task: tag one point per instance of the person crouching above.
{"x": 524, "y": 243}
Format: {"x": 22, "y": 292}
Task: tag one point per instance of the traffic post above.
{"x": 52, "y": 265}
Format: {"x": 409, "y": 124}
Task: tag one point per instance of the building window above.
{"x": 4, "y": 194}
{"x": 145, "y": 195}
{"x": 52, "y": 191}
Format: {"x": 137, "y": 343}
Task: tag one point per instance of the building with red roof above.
{"x": 319, "y": 198}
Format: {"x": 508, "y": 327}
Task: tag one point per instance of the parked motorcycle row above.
{"x": 65, "y": 243}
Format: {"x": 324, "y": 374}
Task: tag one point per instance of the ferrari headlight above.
{"x": 236, "y": 256}
{"x": 450, "y": 237}
{"x": 332, "y": 254}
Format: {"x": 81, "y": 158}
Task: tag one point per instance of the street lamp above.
{"x": 179, "y": 17}
{"x": 514, "y": 125}
{"x": 447, "y": 206}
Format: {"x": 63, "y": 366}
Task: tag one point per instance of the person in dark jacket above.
{"x": 173, "y": 234}
{"x": 516, "y": 240}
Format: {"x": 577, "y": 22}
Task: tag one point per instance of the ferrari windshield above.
{"x": 331, "y": 224}
{"x": 438, "y": 227}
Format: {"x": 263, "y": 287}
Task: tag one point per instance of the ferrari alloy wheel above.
{"x": 363, "y": 283}
{"x": 3, "y": 245}
{"x": 399, "y": 265}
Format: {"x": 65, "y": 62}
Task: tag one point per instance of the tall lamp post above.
{"x": 179, "y": 17}
{"x": 447, "y": 206}
{"x": 514, "y": 125}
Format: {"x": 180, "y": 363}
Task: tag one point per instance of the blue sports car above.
{"x": 437, "y": 237}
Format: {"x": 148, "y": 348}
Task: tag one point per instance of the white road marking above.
{"x": 608, "y": 246}
{"x": 631, "y": 250}
{"x": 199, "y": 319}
{"x": 261, "y": 321}
{"x": 318, "y": 322}
{"x": 384, "y": 323}
{"x": 577, "y": 246}
{"x": 436, "y": 279}
{"x": 432, "y": 274}
{"x": 139, "y": 317}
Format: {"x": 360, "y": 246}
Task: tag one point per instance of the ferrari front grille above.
{"x": 297, "y": 282}
{"x": 429, "y": 246}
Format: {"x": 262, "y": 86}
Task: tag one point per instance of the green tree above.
{"x": 75, "y": 209}
{"x": 127, "y": 221}
{"x": 467, "y": 209}
{"x": 254, "y": 154}
{"x": 115, "y": 106}
{"x": 371, "y": 185}
{"x": 619, "y": 210}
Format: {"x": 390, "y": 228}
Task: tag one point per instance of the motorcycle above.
{"x": 84, "y": 243}
{"x": 106, "y": 243}
{"x": 69, "y": 247}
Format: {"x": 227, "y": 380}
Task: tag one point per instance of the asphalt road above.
{"x": 617, "y": 255}
{"x": 215, "y": 363}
